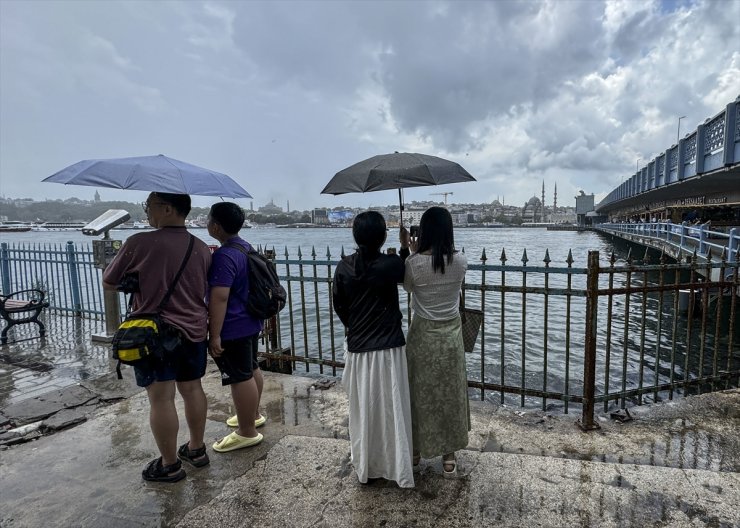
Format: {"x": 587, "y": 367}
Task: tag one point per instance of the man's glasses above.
{"x": 146, "y": 205}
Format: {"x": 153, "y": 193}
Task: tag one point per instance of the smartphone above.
{"x": 414, "y": 231}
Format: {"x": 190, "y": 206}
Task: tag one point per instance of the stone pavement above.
{"x": 675, "y": 464}
{"x": 73, "y": 441}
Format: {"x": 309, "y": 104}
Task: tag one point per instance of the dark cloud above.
{"x": 572, "y": 92}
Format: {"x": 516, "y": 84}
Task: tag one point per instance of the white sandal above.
{"x": 450, "y": 462}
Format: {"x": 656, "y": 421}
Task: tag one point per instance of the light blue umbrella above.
{"x": 150, "y": 173}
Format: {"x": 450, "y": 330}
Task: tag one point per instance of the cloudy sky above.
{"x": 282, "y": 95}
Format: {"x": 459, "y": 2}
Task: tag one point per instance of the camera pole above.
{"x": 103, "y": 252}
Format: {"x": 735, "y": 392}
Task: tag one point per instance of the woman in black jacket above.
{"x": 375, "y": 376}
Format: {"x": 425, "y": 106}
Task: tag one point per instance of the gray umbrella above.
{"x": 396, "y": 171}
{"x": 150, "y": 173}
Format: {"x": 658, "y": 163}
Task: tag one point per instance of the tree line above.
{"x": 73, "y": 210}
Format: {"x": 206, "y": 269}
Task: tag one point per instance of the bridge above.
{"x": 686, "y": 201}
{"x": 701, "y": 172}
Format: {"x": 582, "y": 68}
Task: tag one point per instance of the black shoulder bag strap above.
{"x": 167, "y": 296}
{"x": 171, "y": 288}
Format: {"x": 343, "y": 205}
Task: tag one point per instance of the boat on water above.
{"x": 59, "y": 226}
{"x": 298, "y": 225}
{"x": 12, "y": 226}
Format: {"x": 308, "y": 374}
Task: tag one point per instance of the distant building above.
{"x": 532, "y": 211}
{"x": 320, "y": 216}
{"x": 412, "y": 215}
{"x": 584, "y": 205}
{"x": 270, "y": 209}
{"x": 564, "y": 215}
{"x": 342, "y": 217}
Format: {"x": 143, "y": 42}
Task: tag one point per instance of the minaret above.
{"x": 555, "y": 200}
{"x": 288, "y": 206}
{"x": 542, "y": 203}
{"x": 543, "y": 193}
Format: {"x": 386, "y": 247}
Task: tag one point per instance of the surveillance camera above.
{"x": 106, "y": 221}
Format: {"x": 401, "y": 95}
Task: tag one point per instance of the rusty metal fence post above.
{"x": 586, "y": 421}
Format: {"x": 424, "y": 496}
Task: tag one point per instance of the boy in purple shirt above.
{"x": 232, "y": 331}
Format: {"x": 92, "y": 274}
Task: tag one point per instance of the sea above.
{"x": 510, "y": 241}
{"x": 507, "y": 345}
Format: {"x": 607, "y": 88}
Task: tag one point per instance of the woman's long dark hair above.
{"x": 435, "y": 235}
{"x": 369, "y": 231}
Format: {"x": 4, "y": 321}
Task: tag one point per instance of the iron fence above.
{"x": 65, "y": 272}
{"x": 556, "y": 335}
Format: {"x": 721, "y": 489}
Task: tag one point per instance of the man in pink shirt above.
{"x": 155, "y": 258}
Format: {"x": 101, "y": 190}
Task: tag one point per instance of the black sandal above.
{"x": 196, "y": 457}
{"x": 156, "y": 472}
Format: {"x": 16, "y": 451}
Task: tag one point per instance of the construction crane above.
{"x": 445, "y": 194}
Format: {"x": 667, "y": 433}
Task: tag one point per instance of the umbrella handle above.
{"x": 400, "y": 199}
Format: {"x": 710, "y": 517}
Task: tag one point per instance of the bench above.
{"x": 22, "y": 307}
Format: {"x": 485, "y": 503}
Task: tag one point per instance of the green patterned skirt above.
{"x": 438, "y": 384}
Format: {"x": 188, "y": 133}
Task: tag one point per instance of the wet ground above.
{"x": 675, "y": 464}
{"x": 30, "y": 366}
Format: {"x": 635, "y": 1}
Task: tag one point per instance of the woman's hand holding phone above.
{"x": 409, "y": 240}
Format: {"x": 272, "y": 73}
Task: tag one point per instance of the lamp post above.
{"x": 678, "y": 131}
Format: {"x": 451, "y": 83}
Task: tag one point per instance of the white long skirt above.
{"x": 379, "y": 415}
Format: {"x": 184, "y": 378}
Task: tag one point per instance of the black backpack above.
{"x": 266, "y": 296}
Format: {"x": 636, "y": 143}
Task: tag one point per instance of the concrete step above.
{"x": 675, "y": 464}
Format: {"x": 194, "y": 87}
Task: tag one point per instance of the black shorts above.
{"x": 186, "y": 363}
{"x": 238, "y": 361}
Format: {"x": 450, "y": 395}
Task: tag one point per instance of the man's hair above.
{"x": 180, "y": 202}
{"x": 228, "y": 215}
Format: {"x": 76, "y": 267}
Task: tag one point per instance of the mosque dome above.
{"x": 534, "y": 201}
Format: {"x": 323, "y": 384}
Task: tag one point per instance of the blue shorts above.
{"x": 187, "y": 362}
{"x": 238, "y": 361}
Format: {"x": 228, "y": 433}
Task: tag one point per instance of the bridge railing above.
{"x": 699, "y": 238}
{"x": 713, "y": 145}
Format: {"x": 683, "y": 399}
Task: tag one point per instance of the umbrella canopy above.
{"x": 150, "y": 173}
{"x": 396, "y": 171}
